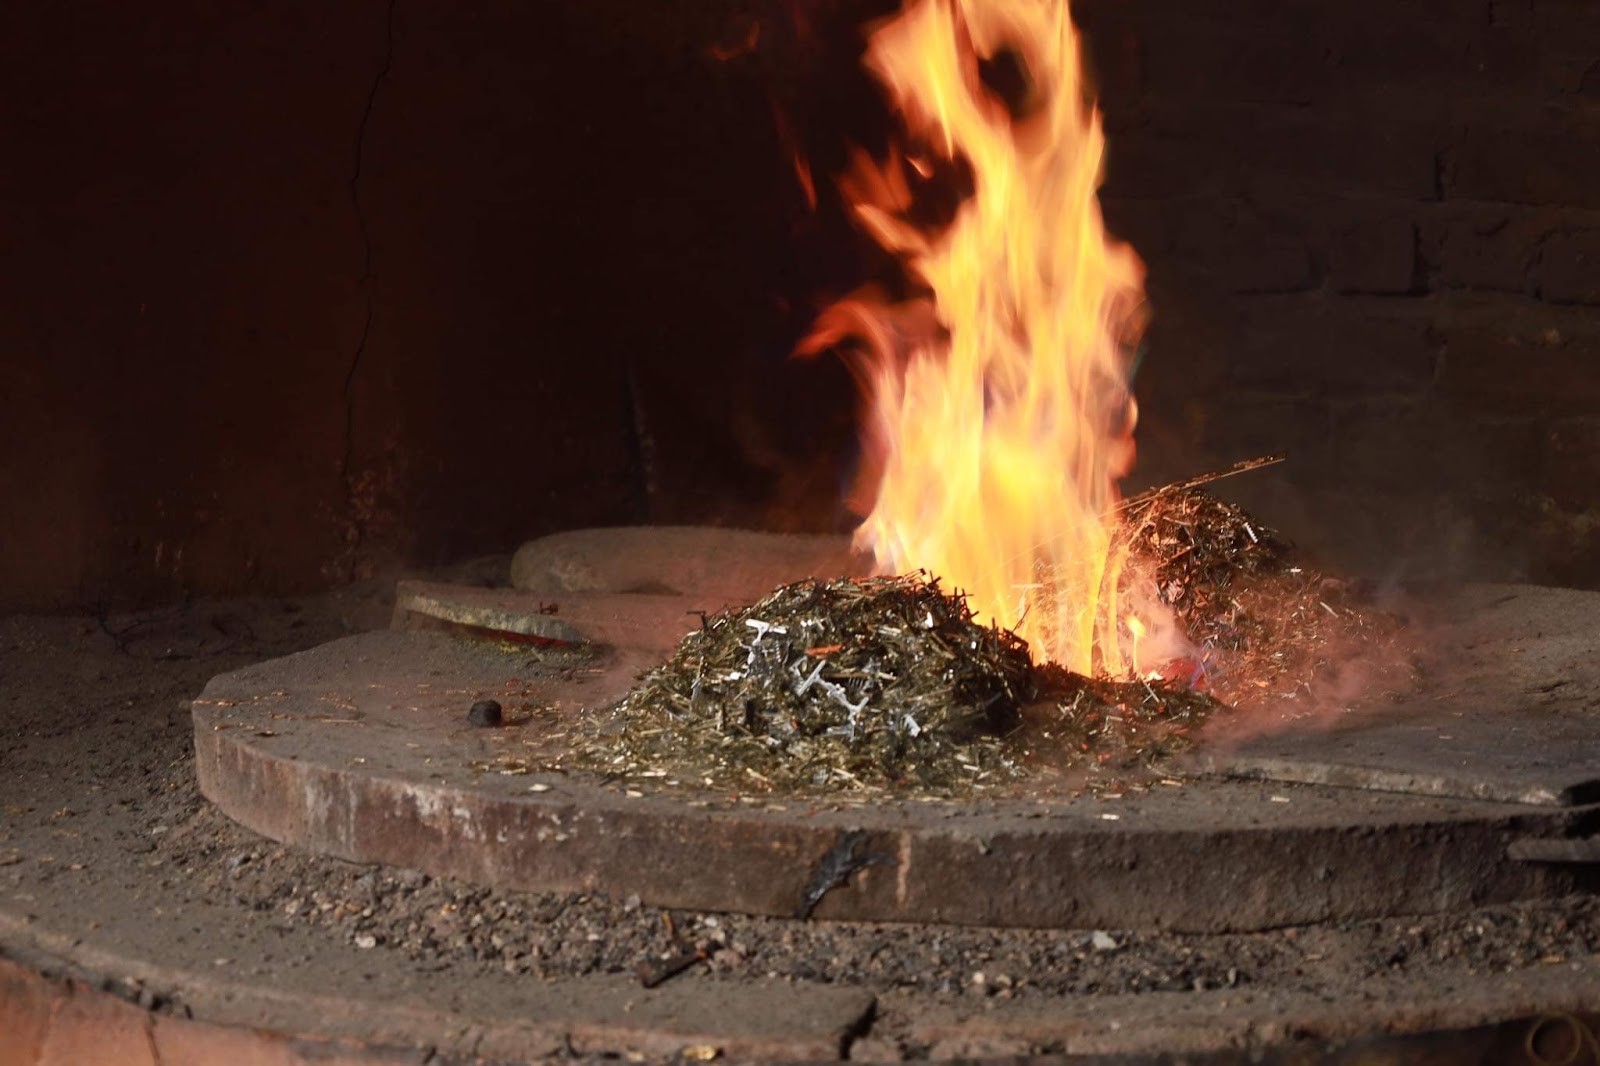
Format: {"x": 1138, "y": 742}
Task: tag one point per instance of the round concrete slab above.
{"x": 1510, "y": 714}
{"x": 361, "y": 749}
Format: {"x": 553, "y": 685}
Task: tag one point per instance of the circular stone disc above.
{"x": 361, "y": 749}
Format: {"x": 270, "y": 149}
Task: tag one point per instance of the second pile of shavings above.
{"x": 847, "y": 685}
{"x": 1264, "y": 625}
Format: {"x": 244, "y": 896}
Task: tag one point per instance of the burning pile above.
{"x": 891, "y": 683}
{"x": 1258, "y": 624}
{"x": 999, "y": 422}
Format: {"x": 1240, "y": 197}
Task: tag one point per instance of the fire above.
{"x": 1136, "y": 630}
{"x": 1000, "y": 418}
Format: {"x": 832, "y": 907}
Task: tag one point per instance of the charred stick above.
{"x": 654, "y": 973}
{"x": 1243, "y": 467}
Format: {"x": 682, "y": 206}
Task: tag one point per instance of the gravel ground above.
{"x": 91, "y": 716}
{"x": 438, "y": 922}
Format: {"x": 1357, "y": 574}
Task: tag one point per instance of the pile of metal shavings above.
{"x": 848, "y": 685}
{"x": 1265, "y": 626}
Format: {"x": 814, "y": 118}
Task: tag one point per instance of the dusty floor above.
{"x": 94, "y": 733}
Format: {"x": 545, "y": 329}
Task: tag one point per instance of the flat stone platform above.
{"x": 138, "y": 925}
{"x": 360, "y": 749}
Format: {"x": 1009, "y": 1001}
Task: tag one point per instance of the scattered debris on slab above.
{"x": 654, "y": 972}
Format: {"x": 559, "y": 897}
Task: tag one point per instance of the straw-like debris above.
{"x": 825, "y": 685}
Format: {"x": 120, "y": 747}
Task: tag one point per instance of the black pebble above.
{"x": 485, "y": 713}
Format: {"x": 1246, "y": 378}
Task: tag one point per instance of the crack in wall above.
{"x": 347, "y": 455}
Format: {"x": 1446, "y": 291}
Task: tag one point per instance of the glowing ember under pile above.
{"x": 1262, "y": 626}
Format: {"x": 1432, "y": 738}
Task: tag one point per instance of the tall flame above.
{"x": 1001, "y": 423}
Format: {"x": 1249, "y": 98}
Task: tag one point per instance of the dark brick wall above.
{"x": 299, "y": 292}
{"x": 1373, "y": 233}
{"x": 294, "y": 293}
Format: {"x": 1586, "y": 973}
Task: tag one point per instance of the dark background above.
{"x": 298, "y": 293}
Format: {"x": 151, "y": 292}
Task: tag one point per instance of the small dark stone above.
{"x": 485, "y": 713}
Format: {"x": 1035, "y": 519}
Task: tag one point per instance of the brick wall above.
{"x": 1373, "y": 234}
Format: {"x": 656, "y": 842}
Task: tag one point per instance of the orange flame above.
{"x": 1000, "y": 416}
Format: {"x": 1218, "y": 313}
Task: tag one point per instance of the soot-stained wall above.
{"x": 295, "y": 293}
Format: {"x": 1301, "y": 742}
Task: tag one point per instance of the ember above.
{"x": 1113, "y": 725}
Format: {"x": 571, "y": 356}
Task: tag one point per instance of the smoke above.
{"x": 1374, "y": 663}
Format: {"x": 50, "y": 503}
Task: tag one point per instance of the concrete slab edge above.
{"x": 1202, "y": 1023}
{"x": 1062, "y": 875}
